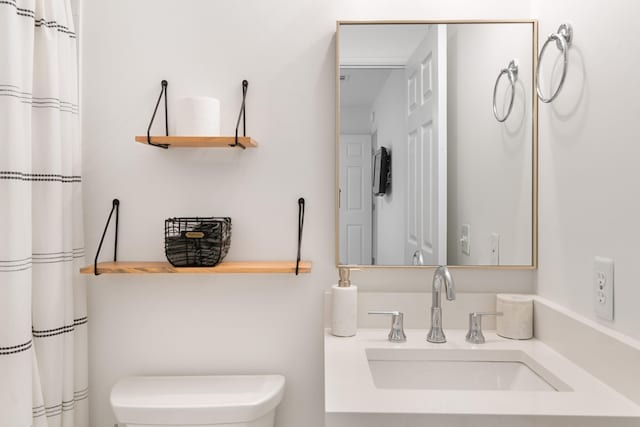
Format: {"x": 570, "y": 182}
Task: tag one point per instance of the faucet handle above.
{"x": 397, "y": 325}
{"x": 475, "y": 335}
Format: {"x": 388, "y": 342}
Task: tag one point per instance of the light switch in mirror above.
{"x": 452, "y": 106}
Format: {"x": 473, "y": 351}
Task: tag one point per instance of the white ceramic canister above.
{"x": 517, "y": 319}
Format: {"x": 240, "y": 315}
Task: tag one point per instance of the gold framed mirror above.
{"x": 436, "y": 144}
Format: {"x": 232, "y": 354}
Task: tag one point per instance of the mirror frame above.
{"x": 534, "y": 166}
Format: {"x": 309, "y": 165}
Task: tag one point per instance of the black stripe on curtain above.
{"x": 9, "y": 266}
{"x": 40, "y": 22}
{"x": 38, "y": 102}
{"x": 45, "y": 333}
{"x": 81, "y": 394}
{"x": 16, "y": 348}
{"x": 37, "y": 177}
{"x": 51, "y": 411}
{"x": 22, "y": 12}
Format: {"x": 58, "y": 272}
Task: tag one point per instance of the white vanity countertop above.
{"x": 349, "y": 386}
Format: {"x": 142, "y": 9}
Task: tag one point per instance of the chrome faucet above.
{"x": 441, "y": 277}
{"x": 475, "y": 335}
{"x": 397, "y": 325}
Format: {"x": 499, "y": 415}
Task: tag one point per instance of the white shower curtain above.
{"x": 43, "y": 321}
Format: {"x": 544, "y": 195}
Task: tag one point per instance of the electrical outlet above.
{"x": 465, "y": 239}
{"x": 603, "y": 287}
{"x": 494, "y": 258}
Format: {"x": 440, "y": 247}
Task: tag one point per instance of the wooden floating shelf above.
{"x": 199, "y": 141}
{"x": 151, "y": 267}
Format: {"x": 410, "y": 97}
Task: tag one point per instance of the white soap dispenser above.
{"x": 344, "y": 305}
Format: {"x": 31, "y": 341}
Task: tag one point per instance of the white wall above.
{"x": 236, "y": 323}
{"x": 392, "y": 46}
{"x": 489, "y": 163}
{"x": 354, "y": 120}
{"x": 589, "y": 151}
{"x": 391, "y": 127}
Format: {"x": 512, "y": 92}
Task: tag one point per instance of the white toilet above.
{"x": 203, "y": 401}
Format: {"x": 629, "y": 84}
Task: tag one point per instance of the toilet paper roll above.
{"x": 517, "y": 320}
{"x": 198, "y": 116}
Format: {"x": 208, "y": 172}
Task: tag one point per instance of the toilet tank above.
{"x": 204, "y": 401}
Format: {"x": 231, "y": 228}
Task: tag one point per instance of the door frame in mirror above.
{"x": 534, "y": 166}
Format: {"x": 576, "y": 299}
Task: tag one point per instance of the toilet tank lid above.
{"x": 185, "y": 400}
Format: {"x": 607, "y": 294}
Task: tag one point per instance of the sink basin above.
{"x": 371, "y": 381}
{"x": 427, "y": 369}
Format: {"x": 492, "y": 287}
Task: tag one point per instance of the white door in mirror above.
{"x": 426, "y": 149}
{"x": 355, "y": 199}
{"x": 603, "y": 287}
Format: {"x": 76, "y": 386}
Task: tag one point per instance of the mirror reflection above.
{"x": 436, "y": 144}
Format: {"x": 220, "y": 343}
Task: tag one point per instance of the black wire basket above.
{"x": 196, "y": 242}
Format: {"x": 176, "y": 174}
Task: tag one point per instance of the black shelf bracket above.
{"x": 301, "y": 203}
{"x": 242, "y": 115}
{"x": 115, "y": 206}
{"x": 163, "y": 91}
